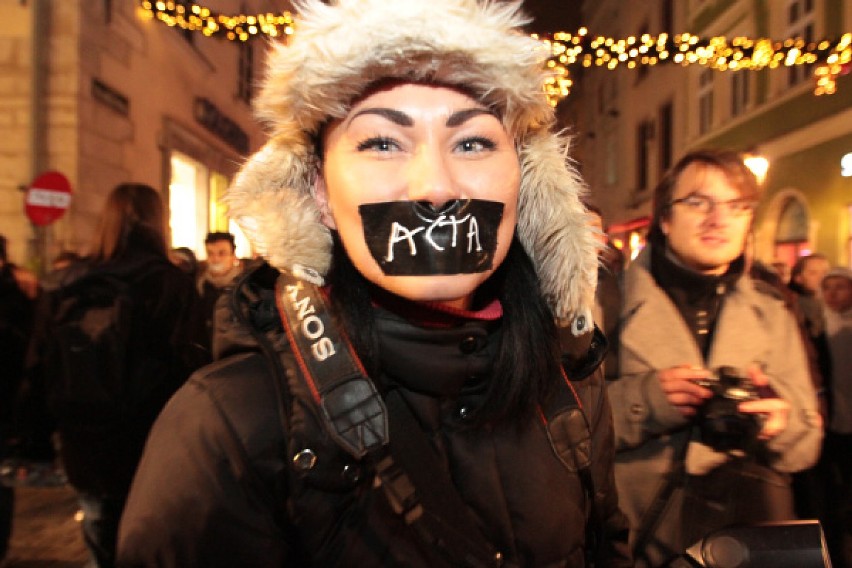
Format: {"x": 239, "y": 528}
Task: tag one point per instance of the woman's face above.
{"x": 419, "y": 143}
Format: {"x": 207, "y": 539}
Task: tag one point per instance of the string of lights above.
{"x": 197, "y": 18}
{"x": 830, "y": 58}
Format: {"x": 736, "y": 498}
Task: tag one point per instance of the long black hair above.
{"x": 527, "y": 364}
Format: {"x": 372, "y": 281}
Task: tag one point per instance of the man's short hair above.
{"x": 218, "y": 237}
{"x": 729, "y": 162}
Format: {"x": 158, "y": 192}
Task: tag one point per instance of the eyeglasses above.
{"x": 704, "y": 204}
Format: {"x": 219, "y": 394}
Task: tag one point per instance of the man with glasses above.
{"x": 713, "y": 405}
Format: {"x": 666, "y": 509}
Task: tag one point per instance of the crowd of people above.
{"x": 441, "y": 360}
{"x": 92, "y": 351}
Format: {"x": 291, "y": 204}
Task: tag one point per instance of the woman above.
{"x": 114, "y": 343}
{"x": 412, "y": 409}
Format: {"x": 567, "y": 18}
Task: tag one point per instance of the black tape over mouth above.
{"x": 414, "y": 238}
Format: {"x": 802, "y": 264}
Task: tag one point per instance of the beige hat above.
{"x": 839, "y": 271}
{"x": 338, "y": 51}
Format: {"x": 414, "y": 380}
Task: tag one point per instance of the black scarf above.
{"x": 698, "y": 297}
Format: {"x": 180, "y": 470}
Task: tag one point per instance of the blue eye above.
{"x": 378, "y": 144}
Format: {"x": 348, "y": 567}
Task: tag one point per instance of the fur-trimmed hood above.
{"x": 338, "y": 51}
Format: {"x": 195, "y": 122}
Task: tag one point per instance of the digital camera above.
{"x": 723, "y": 427}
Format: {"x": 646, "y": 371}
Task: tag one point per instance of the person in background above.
{"x": 185, "y": 259}
{"x": 434, "y": 262}
{"x": 837, "y": 295}
{"x": 805, "y": 278}
{"x": 64, "y": 259}
{"x": 783, "y": 270}
{"x": 608, "y": 291}
{"x": 217, "y": 273}
{"x": 695, "y": 328}
{"x": 104, "y": 404}
{"x": 16, "y": 314}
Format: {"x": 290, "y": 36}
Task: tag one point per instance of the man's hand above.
{"x": 682, "y": 392}
{"x": 775, "y": 409}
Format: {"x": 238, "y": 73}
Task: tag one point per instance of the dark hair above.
{"x": 592, "y": 208}
{"x": 729, "y": 162}
{"x": 527, "y": 363}
{"x": 4, "y": 253}
{"x": 185, "y": 259}
{"x": 130, "y": 208}
{"x": 219, "y": 237}
{"x": 802, "y": 262}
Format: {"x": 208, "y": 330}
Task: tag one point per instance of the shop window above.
{"x": 219, "y": 220}
{"x": 188, "y": 198}
{"x": 196, "y": 206}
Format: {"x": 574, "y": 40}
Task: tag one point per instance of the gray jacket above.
{"x": 752, "y": 327}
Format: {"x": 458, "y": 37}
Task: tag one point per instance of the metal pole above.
{"x": 38, "y": 118}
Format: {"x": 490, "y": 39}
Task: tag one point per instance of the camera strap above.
{"x": 410, "y": 475}
{"x": 654, "y": 514}
{"x": 353, "y": 412}
{"x": 356, "y": 417}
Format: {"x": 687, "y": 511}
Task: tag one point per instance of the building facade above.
{"x": 632, "y": 124}
{"x": 104, "y": 93}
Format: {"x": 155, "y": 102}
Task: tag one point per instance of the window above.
{"x": 667, "y": 17}
{"x": 705, "y": 101}
{"x": 666, "y": 147}
{"x": 739, "y": 92}
{"x": 644, "y": 139}
{"x": 245, "y": 79}
{"x": 195, "y": 206}
{"x": 800, "y": 23}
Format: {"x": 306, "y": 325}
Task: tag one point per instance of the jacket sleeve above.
{"x": 197, "y": 500}
{"x": 614, "y": 550}
{"x": 642, "y": 410}
{"x": 798, "y": 446}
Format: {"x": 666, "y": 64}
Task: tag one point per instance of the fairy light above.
{"x": 830, "y": 58}
{"x": 240, "y": 27}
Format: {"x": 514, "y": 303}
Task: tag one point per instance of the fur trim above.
{"x": 340, "y": 50}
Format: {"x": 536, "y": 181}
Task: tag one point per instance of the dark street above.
{"x": 45, "y": 533}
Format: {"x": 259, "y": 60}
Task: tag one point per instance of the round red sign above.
{"x": 48, "y": 197}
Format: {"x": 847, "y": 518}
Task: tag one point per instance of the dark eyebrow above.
{"x": 460, "y": 117}
{"x": 398, "y": 117}
{"x": 395, "y": 116}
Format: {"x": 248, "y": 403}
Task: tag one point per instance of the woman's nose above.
{"x": 430, "y": 178}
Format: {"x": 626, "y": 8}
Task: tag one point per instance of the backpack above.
{"x": 94, "y": 379}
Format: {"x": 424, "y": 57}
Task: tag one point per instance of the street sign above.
{"x": 48, "y": 197}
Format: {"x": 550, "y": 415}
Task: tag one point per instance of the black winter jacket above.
{"x": 223, "y": 489}
{"x": 163, "y": 349}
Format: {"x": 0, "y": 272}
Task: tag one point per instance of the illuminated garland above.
{"x": 196, "y": 18}
{"x": 831, "y": 58}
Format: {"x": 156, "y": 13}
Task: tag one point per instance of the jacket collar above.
{"x": 657, "y": 337}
